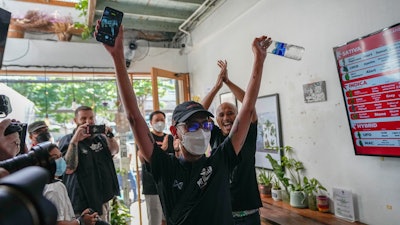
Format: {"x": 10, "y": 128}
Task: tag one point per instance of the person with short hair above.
{"x": 90, "y": 178}
{"x": 38, "y": 132}
{"x": 165, "y": 142}
{"x": 245, "y": 195}
{"x": 194, "y": 189}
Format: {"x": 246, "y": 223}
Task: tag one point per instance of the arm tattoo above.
{"x": 71, "y": 158}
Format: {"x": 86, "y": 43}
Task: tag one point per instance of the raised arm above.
{"x": 238, "y": 93}
{"x": 242, "y": 122}
{"x": 206, "y": 102}
{"x": 138, "y": 125}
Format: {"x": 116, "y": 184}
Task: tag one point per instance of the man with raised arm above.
{"x": 193, "y": 189}
{"x": 245, "y": 196}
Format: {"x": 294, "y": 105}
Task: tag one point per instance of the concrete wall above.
{"x": 319, "y": 132}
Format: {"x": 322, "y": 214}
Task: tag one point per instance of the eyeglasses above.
{"x": 194, "y": 126}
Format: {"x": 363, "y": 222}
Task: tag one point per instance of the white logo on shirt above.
{"x": 178, "y": 184}
{"x": 96, "y": 147}
{"x": 205, "y": 175}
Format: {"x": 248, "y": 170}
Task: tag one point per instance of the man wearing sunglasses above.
{"x": 245, "y": 196}
{"x": 194, "y": 189}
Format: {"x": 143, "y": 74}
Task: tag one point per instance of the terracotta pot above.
{"x": 265, "y": 190}
{"x": 15, "y": 31}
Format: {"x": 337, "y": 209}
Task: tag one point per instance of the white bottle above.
{"x": 286, "y": 50}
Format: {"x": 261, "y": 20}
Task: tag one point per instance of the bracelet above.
{"x": 80, "y": 220}
{"x": 110, "y": 135}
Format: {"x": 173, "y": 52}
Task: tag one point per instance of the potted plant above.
{"x": 298, "y": 197}
{"x": 313, "y": 188}
{"x": 279, "y": 172}
{"x": 264, "y": 182}
{"x": 86, "y": 30}
{"x": 276, "y": 191}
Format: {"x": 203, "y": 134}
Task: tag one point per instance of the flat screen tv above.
{"x": 5, "y": 18}
{"x": 369, "y": 74}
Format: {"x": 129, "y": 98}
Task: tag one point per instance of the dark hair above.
{"x": 156, "y": 112}
{"x": 82, "y": 108}
{"x": 52, "y": 146}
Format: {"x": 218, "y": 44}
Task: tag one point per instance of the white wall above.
{"x": 25, "y": 52}
{"x": 319, "y": 132}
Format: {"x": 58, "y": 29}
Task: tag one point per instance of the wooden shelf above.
{"x": 279, "y": 212}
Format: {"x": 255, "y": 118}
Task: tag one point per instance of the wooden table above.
{"x": 281, "y": 213}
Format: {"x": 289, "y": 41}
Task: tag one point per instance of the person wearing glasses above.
{"x": 193, "y": 189}
{"x": 245, "y": 196}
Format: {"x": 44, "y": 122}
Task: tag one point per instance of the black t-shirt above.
{"x": 95, "y": 180}
{"x": 149, "y": 186}
{"x": 207, "y": 181}
{"x": 244, "y": 187}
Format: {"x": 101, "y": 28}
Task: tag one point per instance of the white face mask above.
{"x": 159, "y": 126}
{"x": 196, "y": 142}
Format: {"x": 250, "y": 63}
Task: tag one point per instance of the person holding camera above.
{"x": 9, "y": 144}
{"x": 194, "y": 189}
{"x": 56, "y": 192}
{"x": 90, "y": 177}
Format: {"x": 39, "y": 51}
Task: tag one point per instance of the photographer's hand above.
{"x": 71, "y": 157}
{"x": 9, "y": 145}
{"x": 89, "y": 218}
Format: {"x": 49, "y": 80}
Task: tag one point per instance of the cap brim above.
{"x": 187, "y": 116}
{"x": 37, "y": 128}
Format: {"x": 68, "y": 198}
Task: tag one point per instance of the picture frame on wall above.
{"x": 269, "y": 132}
{"x": 228, "y": 97}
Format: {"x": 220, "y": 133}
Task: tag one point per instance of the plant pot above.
{"x": 265, "y": 190}
{"x": 323, "y": 203}
{"x": 285, "y": 196}
{"x": 15, "y": 31}
{"x": 276, "y": 194}
{"x": 298, "y": 199}
{"x": 312, "y": 202}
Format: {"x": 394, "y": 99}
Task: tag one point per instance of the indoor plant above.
{"x": 276, "y": 191}
{"x": 264, "y": 182}
{"x": 313, "y": 188}
{"x": 279, "y": 172}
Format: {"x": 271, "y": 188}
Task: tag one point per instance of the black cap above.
{"x": 36, "y": 126}
{"x": 185, "y": 110}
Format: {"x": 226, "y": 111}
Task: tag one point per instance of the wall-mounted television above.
{"x": 5, "y": 17}
{"x": 369, "y": 74}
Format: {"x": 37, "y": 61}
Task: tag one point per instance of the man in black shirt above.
{"x": 90, "y": 178}
{"x": 166, "y": 143}
{"x": 245, "y": 196}
{"x": 194, "y": 189}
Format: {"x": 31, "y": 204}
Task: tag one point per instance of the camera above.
{"x": 21, "y": 129}
{"x": 96, "y": 129}
{"x": 22, "y": 201}
{"x": 5, "y": 106}
{"x": 99, "y": 221}
{"x": 37, "y": 156}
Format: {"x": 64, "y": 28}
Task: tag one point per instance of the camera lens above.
{"x": 38, "y": 156}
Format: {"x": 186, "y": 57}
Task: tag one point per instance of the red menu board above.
{"x": 369, "y": 73}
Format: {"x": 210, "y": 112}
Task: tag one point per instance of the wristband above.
{"x": 110, "y": 135}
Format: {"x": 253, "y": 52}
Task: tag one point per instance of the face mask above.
{"x": 196, "y": 142}
{"x": 43, "y": 137}
{"x": 159, "y": 126}
{"x": 61, "y": 166}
